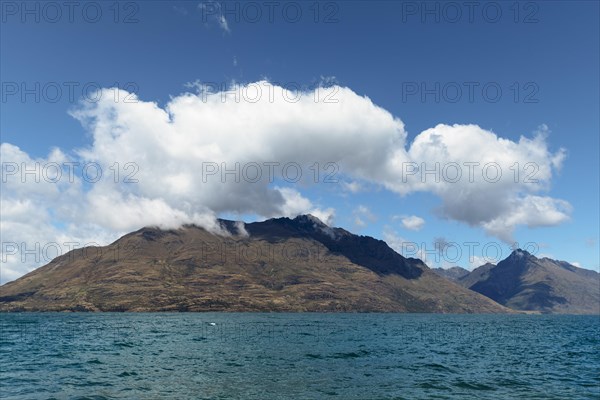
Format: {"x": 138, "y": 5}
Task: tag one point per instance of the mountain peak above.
{"x": 520, "y": 253}
{"x": 309, "y": 218}
{"x": 312, "y": 223}
{"x": 452, "y": 273}
{"x": 524, "y": 282}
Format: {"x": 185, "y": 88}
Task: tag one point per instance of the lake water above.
{"x": 298, "y": 356}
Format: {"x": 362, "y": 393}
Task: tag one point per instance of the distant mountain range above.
{"x": 525, "y": 282}
{"x": 294, "y": 265}
{"x": 452, "y": 273}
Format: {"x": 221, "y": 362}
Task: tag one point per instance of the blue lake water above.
{"x": 298, "y": 356}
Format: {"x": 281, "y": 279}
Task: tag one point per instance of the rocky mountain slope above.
{"x": 280, "y": 264}
{"x": 480, "y": 273}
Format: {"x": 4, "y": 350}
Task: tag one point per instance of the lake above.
{"x": 298, "y": 356}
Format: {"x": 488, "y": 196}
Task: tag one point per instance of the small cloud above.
{"x": 412, "y": 222}
{"x": 352, "y": 187}
{"x": 327, "y": 81}
{"x": 240, "y": 226}
{"x": 575, "y": 263}
{"x": 359, "y": 222}
{"x": 212, "y": 11}
{"x": 363, "y": 216}
{"x": 393, "y": 240}
{"x": 542, "y": 130}
{"x": 476, "y": 261}
{"x": 235, "y": 61}
{"x": 545, "y": 255}
{"x": 326, "y": 216}
{"x": 403, "y": 246}
{"x": 223, "y": 24}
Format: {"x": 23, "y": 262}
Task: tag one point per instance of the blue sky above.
{"x": 543, "y": 56}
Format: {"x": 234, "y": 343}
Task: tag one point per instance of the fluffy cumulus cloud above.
{"x": 484, "y": 180}
{"x": 253, "y": 149}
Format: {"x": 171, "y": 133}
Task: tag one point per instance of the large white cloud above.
{"x": 498, "y": 177}
{"x": 170, "y": 161}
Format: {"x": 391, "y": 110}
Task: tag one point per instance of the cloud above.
{"x": 327, "y": 216}
{"x": 394, "y": 240}
{"x": 352, "y": 187}
{"x": 546, "y": 255}
{"x": 488, "y": 181}
{"x": 412, "y": 222}
{"x": 240, "y": 226}
{"x": 223, "y": 23}
{"x": 249, "y": 150}
{"x": 475, "y": 262}
{"x": 405, "y": 247}
{"x": 532, "y": 211}
{"x": 212, "y": 11}
{"x": 363, "y": 216}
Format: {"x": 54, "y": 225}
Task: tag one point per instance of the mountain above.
{"x": 478, "y": 274}
{"x": 280, "y": 264}
{"x": 525, "y": 282}
{"x": 453, "y": 273}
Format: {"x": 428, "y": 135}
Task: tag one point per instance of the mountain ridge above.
{"x": 284, "y": 264}
{"x": 280, "y": 264}
{"x": 452, "y": 273}
{"x": 527, "y": 283}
